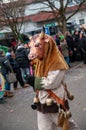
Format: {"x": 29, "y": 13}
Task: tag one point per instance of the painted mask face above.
{"x": 37, "y": 47}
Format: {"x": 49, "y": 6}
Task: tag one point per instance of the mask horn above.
{"x": 30, "y": 37}
{"x": 42, "y": 34}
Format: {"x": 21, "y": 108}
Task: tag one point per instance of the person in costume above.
{"x": 51, "y": 101}
{"x": 2, "y": 88}
{"x": 5, "y": 69}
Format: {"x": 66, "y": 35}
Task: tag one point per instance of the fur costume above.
{"x": 53, "y": 59}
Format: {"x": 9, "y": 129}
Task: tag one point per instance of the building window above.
{"x": 77, "y": 1}
{"x": 70, "y": 2}
{"x": 81, "y": 21}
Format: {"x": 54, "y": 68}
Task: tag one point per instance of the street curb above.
{"x": 76, "y": 66}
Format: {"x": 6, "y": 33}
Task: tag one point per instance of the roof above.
{"x": 42, "y": 16}
{"x": 74, "y": 8}
{"x": 28, "y": 1}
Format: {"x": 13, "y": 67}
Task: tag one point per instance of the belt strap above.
{"x": 58, "y": 100}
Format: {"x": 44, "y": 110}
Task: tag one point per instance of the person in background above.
{"x": 76, "y": 42}
{"x": 82, "y": 41}
{"x": 13, "y": 43}
{"x": 82, "y": 45}
{"x": 58, "y": 35}
{"x": 70, "y": 43}
{"x": 64, "y": 49}
{"x": 11, "y": 56}
{"x": 26, "y": 45}
{"x": 21, "y": 56}
{"x": 4, "y": 69}
{"x": 83, "y": 29}
{"x": 58, "y": 41}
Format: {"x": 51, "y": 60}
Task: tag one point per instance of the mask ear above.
{"x": 30, "y": 37}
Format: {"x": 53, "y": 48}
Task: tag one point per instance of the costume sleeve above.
{"x": 53, "y": 80}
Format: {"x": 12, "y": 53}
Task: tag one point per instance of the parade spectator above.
{"x": 82, "y": 41}
{"x": 58, "y": 35}
{"x": 58, "y": 41}
{"x": 76, "y": 39}
{"x": 83, "y": 29}
{"x": 4, "y": 69}
{"x": 21, "y": 56}
{"x": 76, "y": 44}
{"x": 70, "y": 43}
{"x": 64, "y": 49}
{"x": 11, "y": 56}
{"x": 26, "y": 45}
{"x": 13, "y": 43}
{"x": 82, "y": 46}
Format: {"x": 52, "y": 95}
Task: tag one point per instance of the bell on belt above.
{"x": 36, "y": 100}
{"x": 49, "y": 101}
{"x": 70, "y": 96}
{"x": 68, "y": 114}
{"x": 35, "y": 103}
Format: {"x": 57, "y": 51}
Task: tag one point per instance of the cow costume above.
{"x": 51, "y": 101}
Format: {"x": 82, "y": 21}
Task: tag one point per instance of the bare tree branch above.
{"x": 78, "y": 8}
{"x": 59, "y": 11}
{"x": 10, "y": 14}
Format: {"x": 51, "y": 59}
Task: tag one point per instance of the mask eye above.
{"x": 37, "y": 44}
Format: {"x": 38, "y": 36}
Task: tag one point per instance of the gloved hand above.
{"x": 35, "y": 82}
{"x": 38, "y": 84}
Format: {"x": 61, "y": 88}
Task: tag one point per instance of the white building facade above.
{"x": 34, "y": 9}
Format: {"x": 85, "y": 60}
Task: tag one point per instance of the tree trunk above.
{"x": 64, "y": 26}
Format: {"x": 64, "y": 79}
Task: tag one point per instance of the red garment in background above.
{"x": 14, "y": 43}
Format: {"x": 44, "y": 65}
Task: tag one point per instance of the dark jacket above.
{"x": 21, "y": 55}
{"x": 83, "y": 42}
{"x": 13, "y": 62}
{"x": 57, "y": 41}
{"x": 76, "y": 40}
{"x": 70, "y": 43}
{"x": 4, "y": 65}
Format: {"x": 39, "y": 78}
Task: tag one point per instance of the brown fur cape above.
{"x": 53, "y": 59}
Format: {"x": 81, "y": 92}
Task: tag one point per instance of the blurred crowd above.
{"x": 14, "y": 60}
{"x": 72, "y": 46}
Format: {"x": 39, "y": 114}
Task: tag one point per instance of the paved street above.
{"x": 17, "y": 114}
